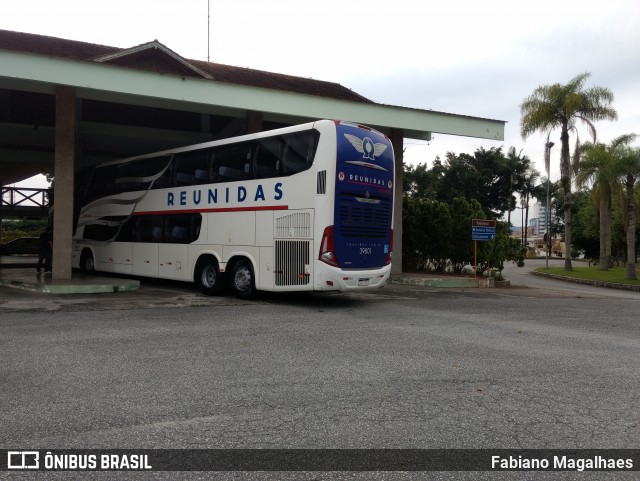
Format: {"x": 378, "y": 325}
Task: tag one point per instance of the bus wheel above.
{"x": 208, "y": 277}
{"x": 87, "y": 264}
{"x": 243, "y": 283}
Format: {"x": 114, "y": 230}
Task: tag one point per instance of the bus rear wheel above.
{"x": 87, "y": 263}
{"x": 208, "y": 276}
{"x": 243, "y": 282}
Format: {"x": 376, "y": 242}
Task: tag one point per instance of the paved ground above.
{"x": 521, "y": 276}
{"x": 406, "y": 366}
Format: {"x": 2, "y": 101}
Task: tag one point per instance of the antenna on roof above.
{"x": 208, "y": 28}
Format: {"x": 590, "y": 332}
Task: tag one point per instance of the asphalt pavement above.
{"x": 522, "y": 277}
{"x": 403, "y": 367}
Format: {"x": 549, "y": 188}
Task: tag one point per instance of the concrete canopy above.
{"x": 149, "y": 98}
{"x": 151, "y": 77}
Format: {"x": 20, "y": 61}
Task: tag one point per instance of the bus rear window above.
{"x": 299, "y": 151}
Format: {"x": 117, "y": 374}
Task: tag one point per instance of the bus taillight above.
{"x": 327, "y": 254}
{"x": 387, "y": 261}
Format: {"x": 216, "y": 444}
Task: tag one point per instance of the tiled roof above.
{"x": 52, "y": 46}
{"x": 162, "y": 63}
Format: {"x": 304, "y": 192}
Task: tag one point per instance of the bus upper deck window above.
{"x": 297, "y": 153}
{"x": 268, "y": 155}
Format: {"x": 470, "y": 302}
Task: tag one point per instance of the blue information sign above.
{"x": 483, "y": 230}
{"x": 482, "y": 237}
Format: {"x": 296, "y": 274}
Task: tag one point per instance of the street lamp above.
{"x": 547, "y": 164}
{"x": 522, "y": 206}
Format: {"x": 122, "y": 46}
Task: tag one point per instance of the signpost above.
{"x": 481, "y": 230}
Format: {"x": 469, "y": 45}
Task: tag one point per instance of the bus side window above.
{"x": 102, "y": 183}
{"x": 182, "y": 228}
{"x": 162, "y": 166}
{"x": 177, "y": 228}
{"x": 149, "y": 228}
{"x": 192, "y": 168}
{"x": 126, "y": 233}
{"x": 131, "y": 176}
{"x": 196, "y": 222}
{"x": 233, "y": 162}
{"x": 268, "y": 155}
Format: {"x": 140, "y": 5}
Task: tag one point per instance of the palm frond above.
{"x": 575, "y": 160}
{"x": 623, "y": 140}
{"x": 590, "y": 126}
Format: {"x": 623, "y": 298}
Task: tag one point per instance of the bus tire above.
{"x": 243, "y": 282}
{"x": 208, "y": 276}
{"x": 87, "y": 262}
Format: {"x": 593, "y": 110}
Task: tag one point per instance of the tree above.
{"x": 558, "y": 106}
{"x": 516, "y": 166}
{"x": 426, "y": 233}
{"x": 461, "y": 246}
{"x": 421, "y": 181}
{"x": 530, "y": 189}
{"x": 585, "y": 227}
{"x": 503, "y": 247}
{"x": 602, "y": 166}
{"x": 628, "y": 168}
{"x": 482, "y": 176}
{"x": 596, "y": 168}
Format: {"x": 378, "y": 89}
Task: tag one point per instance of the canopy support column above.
{"x": 64, "y": 172}
{"x": 397, "y": 140}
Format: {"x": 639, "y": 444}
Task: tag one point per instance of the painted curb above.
{"x": 436, "y": 282}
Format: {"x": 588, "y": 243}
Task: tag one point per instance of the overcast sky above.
{"x": 469, "y": 57}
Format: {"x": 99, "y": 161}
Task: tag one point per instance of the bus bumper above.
{"x": 333, "y": 279}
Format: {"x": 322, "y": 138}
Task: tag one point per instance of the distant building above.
{"x": 538, "y": 220}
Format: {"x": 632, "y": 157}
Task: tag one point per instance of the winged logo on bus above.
{"x": 368, "y": 149}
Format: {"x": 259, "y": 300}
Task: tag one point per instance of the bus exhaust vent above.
{"x": 292, "y": 263}
{"x": 296, "y": 225}
{"x": 322, "y": 182}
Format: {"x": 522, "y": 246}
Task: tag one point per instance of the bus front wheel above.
{"x": 87, "y": 264}
{"x": 208, "y": 276}
{"x": 243, "y": 282}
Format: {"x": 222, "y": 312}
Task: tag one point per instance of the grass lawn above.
{"x": 615, "y": 274}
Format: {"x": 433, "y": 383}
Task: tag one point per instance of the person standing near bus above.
{"x": 46, "y": 250}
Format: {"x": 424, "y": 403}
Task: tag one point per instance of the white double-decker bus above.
{"x": 308, "y": 207}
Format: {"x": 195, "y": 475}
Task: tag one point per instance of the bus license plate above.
{"x": 363, "y": 282}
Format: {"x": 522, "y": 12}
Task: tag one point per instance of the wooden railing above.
{"x": 24, "y": 201}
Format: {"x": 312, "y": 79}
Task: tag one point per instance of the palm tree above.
{"x": 548, "y": 190}
{"x": 517, "y": 166}
{"x": 598, "y": 168}
{"x": 555, "y": 106}
{"x": 628, "y": 168}
{"x": 529, "y": 189}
